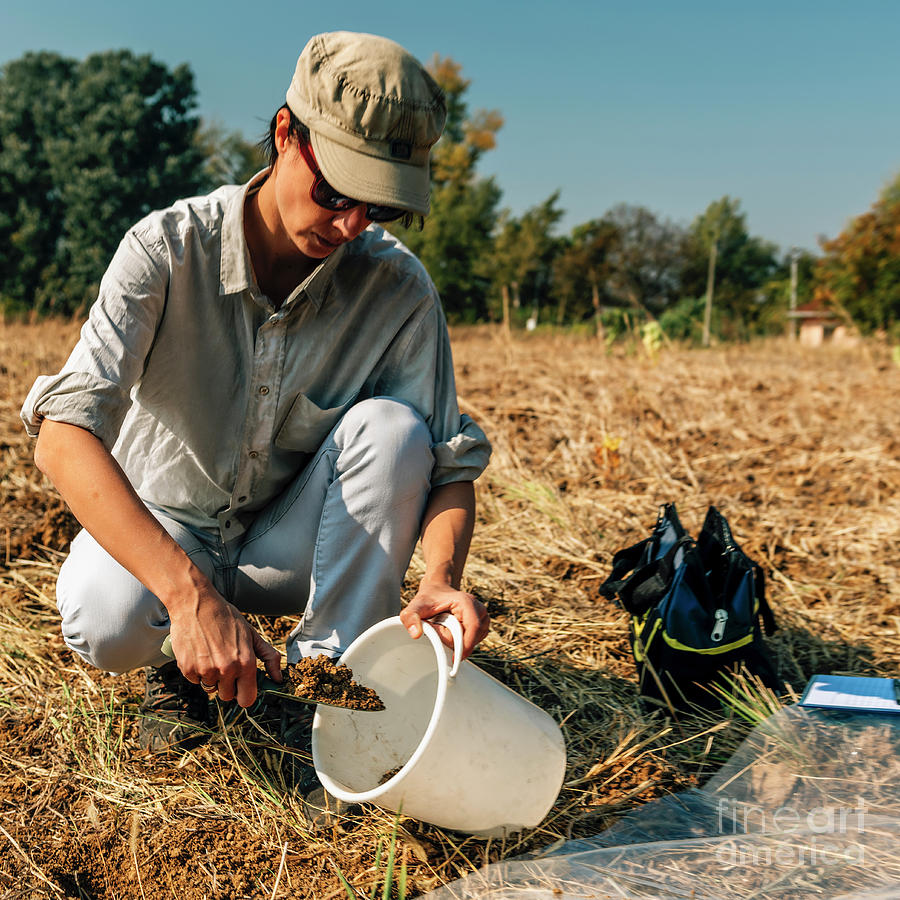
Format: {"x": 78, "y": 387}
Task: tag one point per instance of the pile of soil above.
{"x": 320, "y": 679}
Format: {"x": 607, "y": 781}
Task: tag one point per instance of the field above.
{"x": 798, "y": 447}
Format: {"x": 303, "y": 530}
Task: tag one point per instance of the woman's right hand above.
{"x": 214, "y": 644}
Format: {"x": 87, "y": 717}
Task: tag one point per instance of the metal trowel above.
{"x": 264, "y": 684}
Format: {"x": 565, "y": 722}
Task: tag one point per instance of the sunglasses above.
{"x": 324, "y": 195}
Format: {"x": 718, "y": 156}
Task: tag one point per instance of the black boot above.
{"x": 175, "y": 713}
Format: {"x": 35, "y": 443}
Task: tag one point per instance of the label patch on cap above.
{"x": 401, "y": 149}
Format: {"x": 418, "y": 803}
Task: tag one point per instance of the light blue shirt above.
{"x": 211, "y": 399}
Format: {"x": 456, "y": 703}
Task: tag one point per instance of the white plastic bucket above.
{"x": 466, "y": 752}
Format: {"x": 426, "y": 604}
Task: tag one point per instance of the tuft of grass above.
{"x": 387, "y": 879}
{"x": 747, "y": 697}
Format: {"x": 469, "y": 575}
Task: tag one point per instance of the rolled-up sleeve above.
{"x": 424, "y": 376}
{"x": 463, "y": 457}
{"x": 93, "y": 389}
{"x": 79, "y": 398}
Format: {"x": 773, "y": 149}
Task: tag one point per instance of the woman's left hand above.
{"x": 433, "y": 599}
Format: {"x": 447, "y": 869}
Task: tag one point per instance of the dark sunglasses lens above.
{"x": 377, "y": 213}
{"x": 325, "y": 195}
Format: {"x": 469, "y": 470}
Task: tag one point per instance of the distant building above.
{"x": 817, "y": 324}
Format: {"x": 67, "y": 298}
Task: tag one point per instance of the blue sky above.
{"x": 790, "y": 106}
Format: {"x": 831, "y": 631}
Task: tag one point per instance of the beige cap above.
{"x": 374, "y": 114}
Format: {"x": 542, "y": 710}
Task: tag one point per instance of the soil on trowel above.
{"x": 320, "y": 679}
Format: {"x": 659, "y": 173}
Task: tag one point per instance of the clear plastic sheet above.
{"x": 808, "y": 806}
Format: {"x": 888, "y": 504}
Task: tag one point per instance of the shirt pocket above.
{"x": 307, "y": 424}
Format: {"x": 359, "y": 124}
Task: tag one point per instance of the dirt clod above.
{"x": 319, "y": 678}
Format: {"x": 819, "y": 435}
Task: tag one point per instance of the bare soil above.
{"x": 319, "y": 678}
{"x": 798, "y": 448}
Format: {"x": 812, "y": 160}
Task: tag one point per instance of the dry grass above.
{"x": 797, "y": 447}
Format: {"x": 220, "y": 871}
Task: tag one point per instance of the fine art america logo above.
{"x": 822, "y": 836}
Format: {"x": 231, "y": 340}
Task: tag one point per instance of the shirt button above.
{"x": 241, "y": 499}
{"x": 264, "y": 390}
{"x": 228, "y": 523}
{"x": 253, "y": 454}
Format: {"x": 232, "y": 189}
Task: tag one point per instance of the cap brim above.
{"x": 371, "y": 178}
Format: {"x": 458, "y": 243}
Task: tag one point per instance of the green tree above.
{"x": 31, "y": 207}
{"x": 645, "y": 260}
{"x": 859, "y": 273}
{"x": 117, "y": 140}
{"x": 581, "y": 272}
{"x": 521, "y": 265}
{"x": 743, "y": 267}
{"x": 458, "y": 233}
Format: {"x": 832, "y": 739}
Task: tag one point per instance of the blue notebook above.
{"x": 853, "y": 692}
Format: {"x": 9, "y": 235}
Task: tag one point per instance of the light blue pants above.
{"x": 332, "y": 549}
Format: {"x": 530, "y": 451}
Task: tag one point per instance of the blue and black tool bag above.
{"x": 695, "y": 610}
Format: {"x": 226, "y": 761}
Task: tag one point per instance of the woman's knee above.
{"x": 393, "y": 431}
{"x": 108, "y": 617}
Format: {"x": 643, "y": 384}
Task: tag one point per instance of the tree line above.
{"x": 88, "y": 147}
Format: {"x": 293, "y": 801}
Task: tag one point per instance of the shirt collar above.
{"x": 318, "y": 281}
{"x": 236, "y": 270}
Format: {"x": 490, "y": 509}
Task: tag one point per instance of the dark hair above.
{"x": 299, "y": 132}
{"x": 296, "y": 130}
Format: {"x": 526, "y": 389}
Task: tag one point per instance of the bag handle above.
{"x": 627, "y": 560}
{"x": 646, "y": 587}
{"x": 624, "y": 561}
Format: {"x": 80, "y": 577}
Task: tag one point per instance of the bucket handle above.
{"x": 451, "y": 623}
